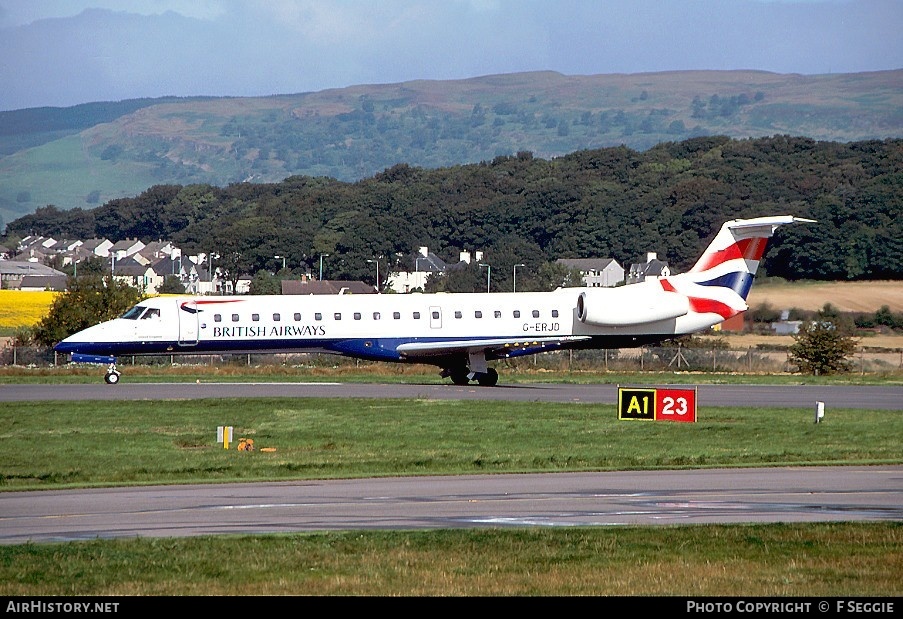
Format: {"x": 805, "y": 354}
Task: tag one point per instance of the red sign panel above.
{"x": 675, "y": 405}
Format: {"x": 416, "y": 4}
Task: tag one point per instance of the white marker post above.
{"x": 224, "y": 435}
{"x": 819, "y": 411}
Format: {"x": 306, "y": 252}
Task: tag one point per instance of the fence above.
{"x": 647, "y": 358}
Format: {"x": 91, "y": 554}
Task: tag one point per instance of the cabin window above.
{"x": 458, "y": 314}
{"x": 375, "y": 315}
{"x": 297, "y": 316}
{"x": 255, "y": 317}
{"x": 234, "y": 317}
{"x": 396, "y": 315}
{"x": 478, "y": 314}
{"x": 357, "y": 315}
{"x": 535, "y": 313}
{"x": 554, "y": 313}
{"x": 416, "y": 315}
{"x": 517, "y": 313}
{"x": 217, "y": 318}
{"x": 318, "y": 316}
{"x": 276, "y": 317}
{"x": 497, "y": 314}
{"x": 337, "y": 316}
{"x": 435, "y": 315}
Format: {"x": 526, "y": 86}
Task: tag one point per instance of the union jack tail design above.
{"x": 720, "y": 281}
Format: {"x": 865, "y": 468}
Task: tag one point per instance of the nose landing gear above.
{"x": 112, "y": 375}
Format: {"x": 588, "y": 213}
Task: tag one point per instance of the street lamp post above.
{"x": 212, "y": 257}
{"x": 321, "y": 265}
{"x": 283, "y": 261}
{"x": 515, "y": 275}
{"x": 488, "y": 274}
{"x": 376, "y": 260}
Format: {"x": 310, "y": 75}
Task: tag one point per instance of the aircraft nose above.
{"x": 68, "y": 345}
{"x": 77, "y": 342}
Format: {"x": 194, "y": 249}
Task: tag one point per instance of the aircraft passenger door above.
{"x": 188, "y": 323}
{"x": 435, "y": 317}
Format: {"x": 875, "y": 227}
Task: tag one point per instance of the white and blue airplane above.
{"x": 459, "y": 333}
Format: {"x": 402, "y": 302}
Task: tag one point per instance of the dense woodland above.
{"x": 606, "y": 203}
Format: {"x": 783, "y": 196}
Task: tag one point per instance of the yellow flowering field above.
{"x": 24, "y": 308}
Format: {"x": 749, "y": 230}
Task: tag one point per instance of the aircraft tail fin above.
{"x": 720, "y": 280}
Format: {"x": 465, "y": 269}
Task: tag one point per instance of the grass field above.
{"x": 845, "y": 296}
{"x": 50, "y": 446}
{"x": 148, "y": 442}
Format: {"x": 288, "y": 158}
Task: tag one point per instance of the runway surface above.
{"x": 547, "y": 500}
{"x": 560, "y": 499}
{"x": 790, "y": 396}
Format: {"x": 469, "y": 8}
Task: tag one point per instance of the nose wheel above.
{"x": 112, "y": 375}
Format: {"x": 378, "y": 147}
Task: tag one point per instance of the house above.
{"x": 156, "y": 250}
{"x": 137, "y": 275}
{"x": 36, "y": 248}
{"x": 596, "y": 272}
{"x": 12, "y": 272}
{"x": 734, "y": 324}
{"x": 45, "y": 282}
{"x": 653, "y": 267}
{"x": 294, "y": 286}
{"x": 126, "y": 248}
{"x": 425, "y": 264}
{"x": 166, "y": 266}
{"x": 98, "y": 247}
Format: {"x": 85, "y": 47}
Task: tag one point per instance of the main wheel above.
{"x": 111, "y": 378}
{"x": 489, "y": 379}
{"x": 459, "y": 376}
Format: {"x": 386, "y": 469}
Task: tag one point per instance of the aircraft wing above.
{"x": 493, "y": 347}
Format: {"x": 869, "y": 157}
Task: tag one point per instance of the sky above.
{"x": 65, "y": 52}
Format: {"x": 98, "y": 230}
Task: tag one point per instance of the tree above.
{"x": 764, "y": 313}
{"x": 553, "y": 275}
{"x": 821, "y": 348}
{"x": 89, "y": 300}
{"x": 171, "y": 285}
{"x": 459, "y": 278}
{"x": 265, "y": 282}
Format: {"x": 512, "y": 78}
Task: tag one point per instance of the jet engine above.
{"x": 634, "y": 304}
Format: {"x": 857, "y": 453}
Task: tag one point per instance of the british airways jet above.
{"x": 459, "y": 333}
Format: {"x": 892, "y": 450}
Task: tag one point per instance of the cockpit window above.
{"x": 134, "y": 313}
{"x": 151, "y": 313}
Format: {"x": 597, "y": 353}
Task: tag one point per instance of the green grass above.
{"x": 55, "y": 445}
{"x": 373, "y": 372}
{"x": 147, "y": 442}
{"x": 834, "y": 559}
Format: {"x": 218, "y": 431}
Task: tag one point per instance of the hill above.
{"x": 87, "y": 155}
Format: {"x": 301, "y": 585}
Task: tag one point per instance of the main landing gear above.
{"x": 112, "y": 375}
{"x": 463, "y": 376}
